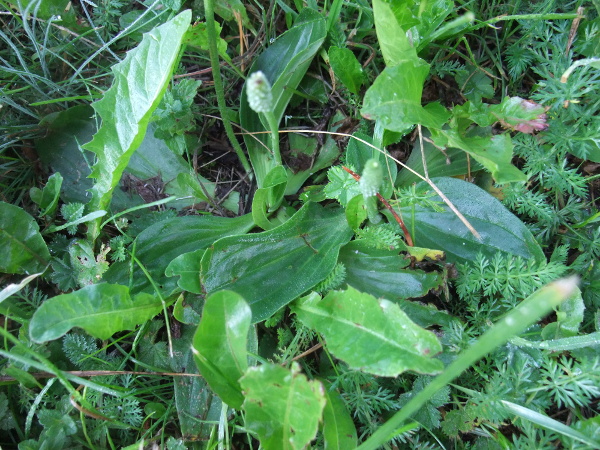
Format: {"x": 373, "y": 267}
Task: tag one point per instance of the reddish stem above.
{"x": 409, "y": 240}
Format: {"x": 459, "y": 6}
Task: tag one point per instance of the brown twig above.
{"x": 313, "y": 349}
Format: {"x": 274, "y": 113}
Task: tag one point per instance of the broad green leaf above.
{"x": 356, "y": 212}
{"x": 47, "y": 198}
{"x": 198, "y": 407}
{"x": 392, "y": 21}
{"x": 370, "y": 335}
{"x": 500, "y": 230}
{"x": 384, "y": 273}
{"x": 161, "y": 243}
{"x": 185, "y": 313}
{"x": 282, "y": 406}
{"x": 220, "y": 344}
{"x": 394, "y": 99}
{"x": 347, "y": 68}
{"x": 100, "y": 309}
{"x": 284, "y": 64}
{"x": 494, "y": 152}
{"x": 268, "y": 198}
{"x": 338, "y": 428}
{"x": 22, "y": 247}
{"x": 437, "y": 163}
{"x": 272, "y": 268}
{"x": 126, "y": 108}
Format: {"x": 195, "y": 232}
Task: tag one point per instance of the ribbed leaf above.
{"x": 100, "y": 309}
{"x": 282, "y": 406}
{"x": 271, "y": 269}
{"x": 220, "y": 344}
{"x": 371, "y": 335}
{"x": 140, "y": 82}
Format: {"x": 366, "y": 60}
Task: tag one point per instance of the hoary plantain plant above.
{"x": 202, "y": 327}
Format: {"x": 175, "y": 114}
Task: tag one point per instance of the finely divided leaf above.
{"x": 100, "y": 309}
{"x": 371, "y": 335}
{"x": 140, "y": 82}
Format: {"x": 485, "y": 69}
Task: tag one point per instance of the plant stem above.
{"x": 527, "y": 313}
{"x": 274, "y": 126}
{"x": 216, "y": 70}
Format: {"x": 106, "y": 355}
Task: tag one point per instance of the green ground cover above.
{"x": 290, "y": 224}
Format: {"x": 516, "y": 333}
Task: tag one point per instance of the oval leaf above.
{"x": 370, "y": 335}
{"x": 394, "y": 99}
{"x": 282, "y": 406}
{"x": 100, "y": 309}
{"x": 168, "y": 239}
{"x": 500, "y": 230}
{"x": 271, "y": 269}
{"x": 22, "y": 247}
{"x": 383, "y": 273}
{"x": 220, "y": 345}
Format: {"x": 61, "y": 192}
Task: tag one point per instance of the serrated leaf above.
{"x": 370, "y": 335}
{"x": 342, "y": 186}
{"x": 500, "y": 230}
{"x": 517, "y": 114}
{"x": 126, "y": 108}
{"x": 394, "y": 99}
{"x": 22, "y": 247}
{"x": 282, "y": 406}
{"x": 272, "y": 268}
{"x": 100, "y": 309}
{"x": 384, "y": 273}
{"x": 220, "y": 344}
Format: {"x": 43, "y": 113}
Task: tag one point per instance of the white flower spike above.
{"x": 259, "y": 94}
